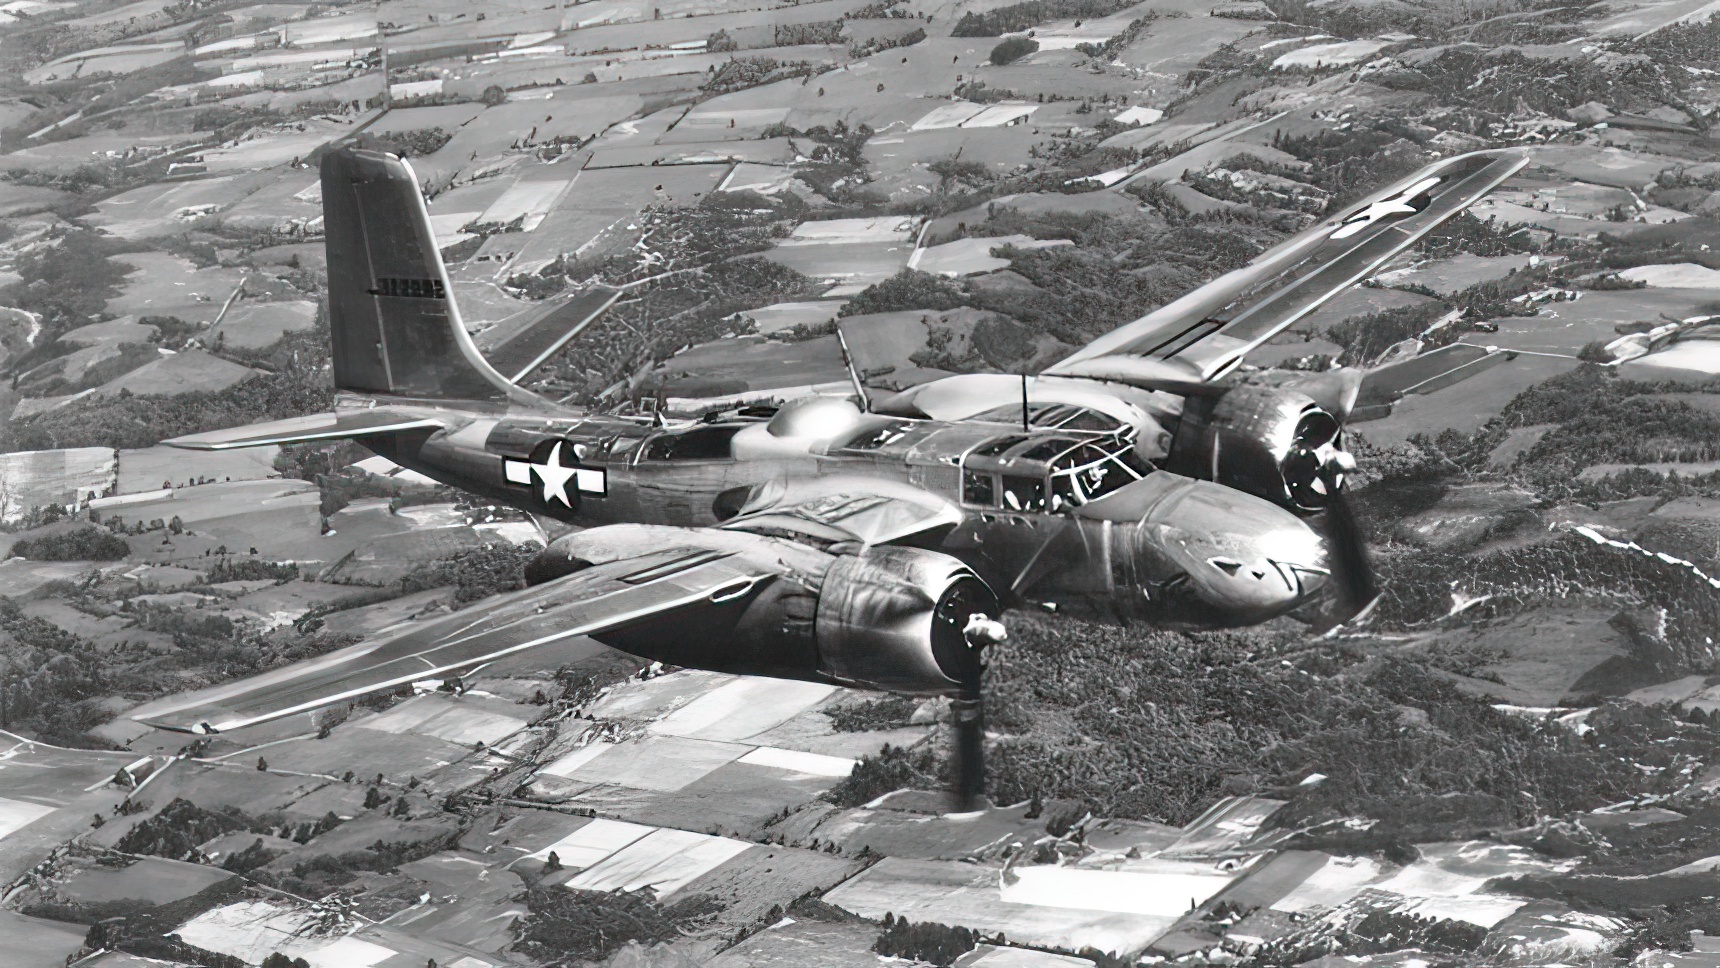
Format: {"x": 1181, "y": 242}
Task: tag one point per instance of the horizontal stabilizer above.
{"x": 299, "y": 430}
{"x": 527, "y": 340}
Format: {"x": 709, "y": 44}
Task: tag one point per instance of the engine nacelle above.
{"x": 557, "y": 559}
{"x": 1271, "y": 442}
{"x": 904, "y": 620}
{"x": 898, "y": 619}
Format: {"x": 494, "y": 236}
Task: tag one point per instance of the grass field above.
{"x": 1464, "y": 406}
{"x": 805, "y": 944}
{"x": 36, "y": 943}
{"x": 24, "y": 199}
{"x": 153, "y": 879}
{"x": 167, "y": 285}
{"x": 753, "y": 363}
{"x": 953, "y": 893}
{"x": 1448, "y": 276}
{"x": 148, "y": 469}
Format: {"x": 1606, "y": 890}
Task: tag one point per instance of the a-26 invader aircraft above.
{"x": 870, "y": 545}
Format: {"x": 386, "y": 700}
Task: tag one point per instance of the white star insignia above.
{"x": 1397, "y": 205}
{"x": 553, "y": 476}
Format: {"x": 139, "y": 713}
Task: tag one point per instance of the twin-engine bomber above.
{"x": 869, "y": 543}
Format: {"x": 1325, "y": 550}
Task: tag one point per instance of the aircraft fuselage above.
{"x": 1037, "y": 519}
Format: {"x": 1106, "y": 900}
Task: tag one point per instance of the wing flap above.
{"x": 321, "y": 426}
{"x": 869, "y": 510}
{"x": 1210, "y": 329}
{"x": 600, "y": 598}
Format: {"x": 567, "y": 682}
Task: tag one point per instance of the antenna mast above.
{"x": 382, "y": 48}
{"x": 853, "y": 371}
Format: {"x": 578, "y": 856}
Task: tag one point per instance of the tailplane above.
{"x": 316, "y": 428}
{"x": 396, "y": 329}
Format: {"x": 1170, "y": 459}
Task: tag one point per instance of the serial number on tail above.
{"x": 410, "y": 288}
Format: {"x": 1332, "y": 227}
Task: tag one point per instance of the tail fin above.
{"x": 391, "y": 308}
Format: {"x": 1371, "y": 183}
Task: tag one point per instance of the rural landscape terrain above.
{"x": 1514, "y": 761}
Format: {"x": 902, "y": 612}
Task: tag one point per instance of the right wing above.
{"x": 321, "y": 426}
{"x": 1204, "y": 335}
{"x": 601, "y": 598}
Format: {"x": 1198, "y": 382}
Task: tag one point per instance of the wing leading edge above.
{"x": 601, "y": 598}
{"x": 319, "y": 426}
{"x": 1206, "y": 333}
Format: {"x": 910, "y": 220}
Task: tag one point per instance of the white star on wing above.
{"x": 1398, "y": 205}
{"x": 553, "y": 476}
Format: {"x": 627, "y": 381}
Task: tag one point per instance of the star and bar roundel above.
{"x": 556, "y": 475}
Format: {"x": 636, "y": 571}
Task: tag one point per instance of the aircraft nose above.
{"x": 1245, "y": 560}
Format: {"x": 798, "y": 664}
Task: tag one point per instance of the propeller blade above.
{"x": 968, "y": 714}
{"x": 1355, "y": 584}
{"x": 1334, "y": 390}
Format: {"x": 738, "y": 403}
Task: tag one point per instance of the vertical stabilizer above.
{"x": 391, "y": 308}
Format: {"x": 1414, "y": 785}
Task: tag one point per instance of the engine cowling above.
{"x": 1271, "y": 442}
{"x": 903, "y": 620}
{"x": 554, "y": 561}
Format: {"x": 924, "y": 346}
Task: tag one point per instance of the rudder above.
{"x": 395, "y": 326}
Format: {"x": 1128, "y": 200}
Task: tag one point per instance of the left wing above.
{"x": 1206, "y": 333}
{"x": 601, "y": 598}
